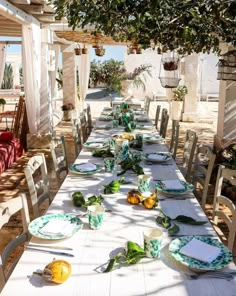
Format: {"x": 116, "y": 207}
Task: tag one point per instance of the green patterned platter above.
{"x": 220, "y": 262}
{"x": 74, "y": 168}
{"x": 95, "y": 145}
{"x": 36, "y": 225}
{"x": 187, "y": 188}
{"x": 157, "y": 157}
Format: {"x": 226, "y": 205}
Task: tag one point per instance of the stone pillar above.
{"x": 190, "y": 79}
{"x": 69, "y": 77}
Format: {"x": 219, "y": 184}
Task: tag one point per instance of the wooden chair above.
{"x": 174, "y": 138}
{"x": 89, "y": 120}
{"x": 83, "y": 126}
{"x": 188, "y": 153}
{"x": 202, "y": 170}
{"x": 164, "y": 123}
{"x": 158, "y": 109}
{"x": 147, "y": 104}
{"x": 37, "y": 179}
{"x": 228, "y": 212}
{"x": 59, "y": 157}
{"x": 7, "y": 209}
{"x": 76, "y": 133}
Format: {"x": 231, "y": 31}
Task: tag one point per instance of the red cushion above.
{"x": 6, "y": 136}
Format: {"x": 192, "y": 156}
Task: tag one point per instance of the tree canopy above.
{"x": 186, "y": 25}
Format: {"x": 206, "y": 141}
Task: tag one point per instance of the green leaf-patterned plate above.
{"x": 157, "y": 157}
{"x": 95, "y": 145}
{"x": 154, "y": 139}
{"x": 187, "y": 188}
{"x": 36, "y": 225}
{"x": 75, "y": 168}
{"x": 220, "y": 262}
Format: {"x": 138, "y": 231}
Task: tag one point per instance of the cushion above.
{"x": 6, "y": 136}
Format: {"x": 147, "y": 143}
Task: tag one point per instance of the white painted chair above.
{"x": 89, "y": 120}
{"x": 37, "y": 179}
{"x": 202, "y": 170}
{"x": 146, "y": 106}
{"x": 76, "y": 132}
{"x": 188, "y": 153}
{"x": 83, "y": 126}
{"x": 174, "y": 138}
{"x": 228, "y": 212}
{"x": 7, "y": 209}
{"x": 59, "y": 157}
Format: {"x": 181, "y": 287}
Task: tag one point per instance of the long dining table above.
{"x": 123, "y": 222}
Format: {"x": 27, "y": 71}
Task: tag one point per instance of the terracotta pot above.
{"x": 84, "y": 50}
{"x": 139, "y": 51}
{"x": 170, "y": 66}
{"x": 67, "y": 115}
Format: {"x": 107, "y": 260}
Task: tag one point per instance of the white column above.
{"x": 69, "y": 78}
{"x": 45, "y": 93}
{"x": 191, "y": 77}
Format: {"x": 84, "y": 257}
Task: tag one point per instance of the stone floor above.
{"x": 12, "y": 181}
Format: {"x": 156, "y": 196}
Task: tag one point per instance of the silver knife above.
{"x": 49, "y": 252}
{"x": 50, "y": 247}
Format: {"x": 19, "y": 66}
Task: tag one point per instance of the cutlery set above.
{"x": 49, "y": 249}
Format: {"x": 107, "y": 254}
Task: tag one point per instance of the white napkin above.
{"x": 153, "y": 156}
{"x": 201, "y": 251}
{"x": 58, "y": 227}
{"x": 85, "y": 167}
{"x": 172, "y": 185}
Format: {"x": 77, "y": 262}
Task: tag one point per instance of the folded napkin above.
{"x": 153, "y": 156}
{"x": 201, "y": 251}
{"x": 85, "y": 167}
{"x": 58, "y": 227}
{"x": 172, "y": 185}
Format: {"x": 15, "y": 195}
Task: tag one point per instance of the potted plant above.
{"x": 2, "y": 103}
{"x": 78, "y": 50}
{"x": 100, "y": 51}
{"x": 178, "y": 101}
{"x": 67, "y": 111}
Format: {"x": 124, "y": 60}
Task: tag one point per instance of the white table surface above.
{"x": 92, "y": 248}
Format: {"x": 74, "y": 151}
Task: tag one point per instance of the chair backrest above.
{"x": 83, "y": 126}
{"x": 202, "y": 170}
{"x": 89, "y": 120}
{"x": 147, "y": 104}
{"x": 76, "y": 132}
{"x": 174, "y": 138}
{"x": 7, "y": 209}
{"x": 59, "y": 157}
{"x": 164, "y": 123}
{"x": 228, "y": 212}
{"x": 37, "y": 179}
{"x": 158, "y": 109}
{"x": 188, "y": 152}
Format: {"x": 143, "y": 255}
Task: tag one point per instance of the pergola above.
{"x": 34, "y": 22}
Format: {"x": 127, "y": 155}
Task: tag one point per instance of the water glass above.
{"x": 144, "y": 183}
{"x": 121, "y": 150}
{"x": 152, "y": 242}
{"x": 95, "y": 216}
{"x": 109, "y": 164}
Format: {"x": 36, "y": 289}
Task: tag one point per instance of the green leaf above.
{"x": 173, "y": 230}
{"x": 189, "y": 220}
{"x": 166, "y": 222}
{"x": 110, "y": 265}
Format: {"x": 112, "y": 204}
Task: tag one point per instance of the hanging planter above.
{"x": 139, "y": 50}
{"x": 100, "y": 51}
{"x": 78, "y": 50}
{"x": 227, "y": 66}
{"x": 84, "y": 50}
{"x": 169, "y": 74}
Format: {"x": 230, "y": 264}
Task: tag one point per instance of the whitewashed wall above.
{"x": 208, "y": 83}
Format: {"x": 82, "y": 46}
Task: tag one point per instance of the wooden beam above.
{"x": 11, "y": 42}
{"x": 32, "y": 9}
{"x": 46, "y": 18}
{"x": 11, "y": 12}
{"x": 20, "y": 1}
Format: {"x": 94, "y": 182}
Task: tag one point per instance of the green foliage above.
{"x": 188, "y": 25}
{"x": 59, "y": 78}
{"x": 179, "y": 93}
{"x": 7, "y": 82}
{"x": 2, "y": 101}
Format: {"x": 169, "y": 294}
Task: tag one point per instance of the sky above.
{"x": 112, "y": 52}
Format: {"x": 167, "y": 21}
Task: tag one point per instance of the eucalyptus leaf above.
{"x": 173, "y": 230}
{"x": 188, "y": 220}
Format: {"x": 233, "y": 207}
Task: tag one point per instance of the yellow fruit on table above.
{"x": 150, "y": 203}
{"x": 134, "y": 197}
{"x": 58, "y": 271}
